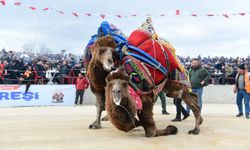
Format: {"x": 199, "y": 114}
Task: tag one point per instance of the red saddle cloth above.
{"x": 136, "y": 98}
{"x": 163, "y": 55}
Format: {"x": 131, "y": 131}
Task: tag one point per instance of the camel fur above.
{"x": 98, "y": 69}
{"x": 121, "y": 108}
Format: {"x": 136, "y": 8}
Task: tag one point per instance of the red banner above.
{"x": 3, "y": 2}
{"x": 103, "y": 16}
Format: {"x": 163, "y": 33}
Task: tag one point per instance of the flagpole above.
{"x": 35, "y": 33}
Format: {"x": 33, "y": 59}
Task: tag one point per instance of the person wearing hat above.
{"x": 240, "y": 90}
{"x": 81, "y": 85}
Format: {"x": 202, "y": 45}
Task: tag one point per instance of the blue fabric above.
{"x": 199, "y": 92}
{"x": 239, "y": 97}
{"x": 153, "y": 62}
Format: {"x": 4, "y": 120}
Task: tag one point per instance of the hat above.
{"x": 242, "y": 66}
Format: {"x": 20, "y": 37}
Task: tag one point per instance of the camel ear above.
{"x": 93, "y": 49}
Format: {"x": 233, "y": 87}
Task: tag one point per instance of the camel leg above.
{"x": 105, "y": 118}
{"x": 100, "y": 105}
{"x": 191, "y": 100}
{"x": 147, "y": 121}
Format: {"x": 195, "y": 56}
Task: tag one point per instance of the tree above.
{"x": 35, "y": 48}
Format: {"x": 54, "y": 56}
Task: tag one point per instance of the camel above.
{"x": 99, "y": 67}
{"x": 101, "y": 64}
{"x": 121, "y": 108}
{"x": 122, "y": 116}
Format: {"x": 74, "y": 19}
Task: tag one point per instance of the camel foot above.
{"x": 105, "y": 118}
{"x": 195, "y": 131}
{"x": 95, "y": 126}
{"x": 172, "y": 129}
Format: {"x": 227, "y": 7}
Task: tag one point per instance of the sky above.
{"x": 191, "y": 36}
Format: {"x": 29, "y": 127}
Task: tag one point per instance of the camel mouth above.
{"x": 108, "y": 66}
{"x": 117, "y": 101}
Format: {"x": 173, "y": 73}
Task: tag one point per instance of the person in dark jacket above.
{"x": 199, "y": 77}
{"x": 81, "y": 85}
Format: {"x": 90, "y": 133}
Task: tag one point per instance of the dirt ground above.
{"x": 66, "y": 128}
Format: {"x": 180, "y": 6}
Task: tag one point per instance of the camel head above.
{"x": 102, "y": 51}
{"x": 117, "y": 85}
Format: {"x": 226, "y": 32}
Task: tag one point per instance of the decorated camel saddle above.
{"x": 151, "y": 62}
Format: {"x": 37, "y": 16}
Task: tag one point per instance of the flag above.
{"x": 32, "y": 8}
{"x": 225, "y": 15}
{"x": 194, "y": 15}
{"x": 177, "y": 12}
{"x": 242, "y": 14}
{"x": 75, "y": 14}
{"x": 103, "y": 16}
{"x": 88, "y": 14}
{"x": 119, "y": 16}
{"x": 3, "y": 2}
{"x": 210, "y": 15}
{"x": 17, "y": 3}
{"x": 45, "y": 9}
{"x": 61, "y": 12}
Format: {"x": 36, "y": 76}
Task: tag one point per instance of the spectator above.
{"x": 27, "y": 78}
{"x": 13, "y": 71}
{"x": 64, "y": 70}
{"x": 163, "y": 103}
{"x": 81, "y": 85}
{"x": 199, "y": 77}
{"x": 40, "y": 69}
{"x": 77, "y": 68}
{"x": 180, "y": 109}
{"x": 1, "y": 72}
{"x": 229, "y": 70}
{"x": 241, "y": 92}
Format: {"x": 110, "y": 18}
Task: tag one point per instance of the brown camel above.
{"x": 98, "y": 69}
{"x": 121, "y": 108}
{"x": 122, "y": 116}
{"x": 97, "y": 75}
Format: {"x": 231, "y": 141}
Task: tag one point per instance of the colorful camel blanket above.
{"x": 140, "y": 78}
{"x": 136, "y": 98}
{"x": 146, "y": 39}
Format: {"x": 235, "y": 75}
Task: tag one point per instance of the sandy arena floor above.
{"x": 66, "y": 128}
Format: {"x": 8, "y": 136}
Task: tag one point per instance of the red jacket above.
{"x": 82, "y": 83}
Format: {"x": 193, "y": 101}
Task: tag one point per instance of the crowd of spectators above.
{"x": 222, "y": 69}
{"x": 20, "y": 68}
